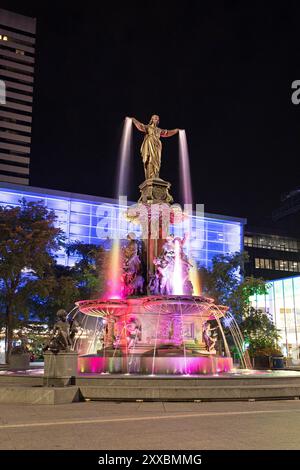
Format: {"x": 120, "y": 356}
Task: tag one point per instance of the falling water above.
{"x": 239, "y": 341}
{"x": 114, "y": 286}
{"x": 195, "y": 278}
{"x": 184, "y": 165}
{"x": 177, "y": 276}
{"x": 187, "y": 198}
{"x": 183, "y": 340}
{"x": 155, "y": 343}
{"x": 124, "y": 158}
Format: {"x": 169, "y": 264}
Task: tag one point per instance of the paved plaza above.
{"x": 108, "y": 426}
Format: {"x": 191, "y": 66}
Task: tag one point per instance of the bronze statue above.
{"x": 63, "y": 334}
{"x": 151, "y": 146}
{"x": 161, "y": 281}
{"x": 209, "y": 336}
{"x": 132, "y": 279}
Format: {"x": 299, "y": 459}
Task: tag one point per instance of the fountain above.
{"x": 150, "y": 321}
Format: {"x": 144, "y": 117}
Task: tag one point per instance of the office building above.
{"x": 282, "y": 304}
{"x": 272, "y": 253}
{"x": 90, "y": 219}
{"x": 17, "y": 51}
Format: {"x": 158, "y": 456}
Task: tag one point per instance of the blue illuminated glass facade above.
{"x": 282, "y": 304}
{"x": 91, "y": 219}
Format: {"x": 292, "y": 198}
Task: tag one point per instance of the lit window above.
{"x": 261, "y": 263}
{"x": 268, "y": 263}
{"x": 4, "y": 38}
{"x": 19, "y": 52}
{"x": 257, "y": 263}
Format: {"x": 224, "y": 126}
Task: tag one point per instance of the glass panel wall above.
{"x": 282, "y": 303}
{"x": 97, "y": 222}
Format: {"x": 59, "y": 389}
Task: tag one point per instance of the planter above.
{"x": 277, "y": 362}
{"x": 60, "y": 369}
{"x": 261, "y": 362}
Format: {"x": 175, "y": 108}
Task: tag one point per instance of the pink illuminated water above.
{"x": 114, "y": 275}
{"x": 114, "y": 285}
{"x": 210, "y": 365}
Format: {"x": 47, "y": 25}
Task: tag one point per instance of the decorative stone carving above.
{"x": 209, "y": 336}
{"x": 155, "y": 191}
{"x": 162, "y": 281}
{"x": 133, "y": 281}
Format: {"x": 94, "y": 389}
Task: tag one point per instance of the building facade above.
{"x": 90, "y": 219}
{"x": 272, "y": 253}
{"x": 282, "y": 304}
{"x": 17, "y": 52}
{"x": 287, "y": 215}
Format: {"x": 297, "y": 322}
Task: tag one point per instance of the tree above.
{"x": 261, "y": 333}
{"x": 58, "y": 290}
{"x": 28, "y": 241}
{"x": 226, "y": 284}
{"x": 89, "y": 270}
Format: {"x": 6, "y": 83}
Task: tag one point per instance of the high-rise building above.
{"x": 17, "y": 49}
{"x": 273, "y": 253}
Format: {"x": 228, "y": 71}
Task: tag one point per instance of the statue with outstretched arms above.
{"x": 151, "y": 146}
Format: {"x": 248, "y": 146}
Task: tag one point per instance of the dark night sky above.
{"x": 221, "y": 70}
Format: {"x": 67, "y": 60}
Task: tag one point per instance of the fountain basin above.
{"x": 153, "y": 335}
{"x": 146, "y": 365}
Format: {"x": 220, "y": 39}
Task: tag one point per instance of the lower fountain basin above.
{"x": 171, "y": 365}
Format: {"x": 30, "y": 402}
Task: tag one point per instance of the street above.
{"x": 140, "y": 426}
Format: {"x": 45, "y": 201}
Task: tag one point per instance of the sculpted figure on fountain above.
{"x": 133, "y": 281}
{"x": 210, "y": 336}
{"x": 63, "y": 334}
{"x": 133, "y": 332}
{"x": 161, "y": 282}
{"x": 151, "y": 146}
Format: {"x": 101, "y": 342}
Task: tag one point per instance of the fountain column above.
{"x": 155, "y": 197}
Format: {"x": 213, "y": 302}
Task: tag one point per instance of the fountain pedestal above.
{"x": 60, "y": 369}
{"x": 155, "y": 191}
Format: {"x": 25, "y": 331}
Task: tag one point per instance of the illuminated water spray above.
{"x": 184, "y": 165}
{"x": 187, "y": 198}
{"x": 195, "y": 279}
{"x": 114, "y": 284}
{"x": 177, "y": 275}
{"x": 124, "y": 158}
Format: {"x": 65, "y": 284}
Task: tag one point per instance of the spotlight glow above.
{"x": 114, "y": 285}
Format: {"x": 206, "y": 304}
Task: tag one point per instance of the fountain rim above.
{"x": 107, "y": 306}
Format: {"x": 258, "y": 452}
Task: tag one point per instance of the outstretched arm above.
{"x": 167, "y": 133}
{"x": 139, "y": 125}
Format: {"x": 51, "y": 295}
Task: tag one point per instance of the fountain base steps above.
{"x": 263, "y": 386}
{"x": 268, "y": 386}
{"x": 38, "y": 395}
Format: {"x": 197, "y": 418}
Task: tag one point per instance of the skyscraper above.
{"x": 17, "y": 49}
